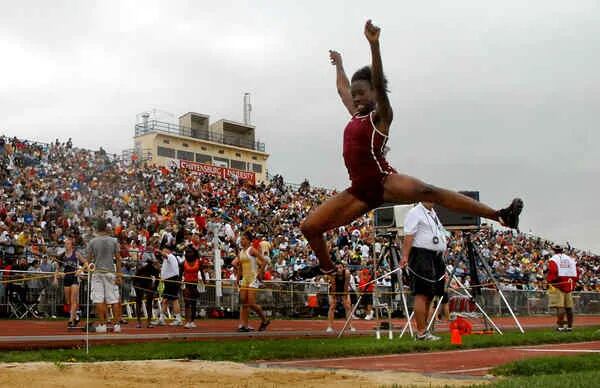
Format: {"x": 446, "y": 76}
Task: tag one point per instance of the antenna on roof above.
{"x": 247, "y": 109}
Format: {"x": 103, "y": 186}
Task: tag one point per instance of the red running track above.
{"x": 473, "y": 362}
{"x": 37, "y": 334}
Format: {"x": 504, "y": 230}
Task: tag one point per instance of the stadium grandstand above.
{"x": 53, "y": 191}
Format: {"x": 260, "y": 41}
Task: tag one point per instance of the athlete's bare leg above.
{"x": 74, "y": 300}
{"x": 399, "y": 188}
{"x": 338, "y": 210}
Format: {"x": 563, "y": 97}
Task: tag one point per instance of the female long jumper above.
{"x": 373, "y": 179}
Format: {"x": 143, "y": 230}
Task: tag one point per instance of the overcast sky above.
{"x": 499, "y": 97}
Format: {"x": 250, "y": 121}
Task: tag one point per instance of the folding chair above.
{"x": 20, "y": 308}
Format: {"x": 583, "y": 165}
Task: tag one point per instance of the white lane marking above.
{"x": 465, "y": 370}
{"x": 395, "y": 355}
{"x": 562, "y": 350}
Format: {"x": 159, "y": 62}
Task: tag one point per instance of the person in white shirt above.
{"x": 169, "y": 273}
{"x": 423, "y": 249}
{"x": 364, "y": 251}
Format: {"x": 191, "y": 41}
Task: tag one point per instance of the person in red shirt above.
{"x": 367, "y": 291}
{"x": 191, "y": 268}
{"x": 562, "y": 277}
{"x": 200, "y": 222}
{"x": 267, "y": 275}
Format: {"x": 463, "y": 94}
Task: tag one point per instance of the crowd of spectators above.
{"x": 49, "y": 192}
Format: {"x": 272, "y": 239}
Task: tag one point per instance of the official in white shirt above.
{"x": 423, "y": 249}
{"x": 169, "y": 273}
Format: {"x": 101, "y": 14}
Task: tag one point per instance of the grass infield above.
{"x": 568, "y": 380}
{"x": 284, "y": 349}
{"x": 547, "y": 365}
{"x": 560, "y": 371}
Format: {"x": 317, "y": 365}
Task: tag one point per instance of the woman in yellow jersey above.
{"x": 251, "y": 263}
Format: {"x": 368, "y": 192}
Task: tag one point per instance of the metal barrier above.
{"x": 297, "y": 299}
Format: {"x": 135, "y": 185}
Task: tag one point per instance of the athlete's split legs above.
{"x": 344, "y": 208}
{"x": 404, "y": 189}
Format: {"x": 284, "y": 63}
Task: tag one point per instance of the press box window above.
{"x": 237, "y": 164}
{"x": 185, "y": 155}
{"x": 165, "y": 152}
{"x": 202, "y": 158}
{"x": 221, "y": 162}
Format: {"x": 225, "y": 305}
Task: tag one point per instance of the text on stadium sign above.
{"x": 223, "y": 172}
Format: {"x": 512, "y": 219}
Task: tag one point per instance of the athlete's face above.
{"x": 363, "y": 96}
{"x": 245, "y": 242}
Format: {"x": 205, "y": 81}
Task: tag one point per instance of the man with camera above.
{"x": 423, "y": 249}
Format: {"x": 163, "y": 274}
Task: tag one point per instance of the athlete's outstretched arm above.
{"x": 341, "y": 81}
{"x": 383, "y": 112}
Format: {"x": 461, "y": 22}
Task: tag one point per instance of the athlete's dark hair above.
{"x": 365, "y": 74}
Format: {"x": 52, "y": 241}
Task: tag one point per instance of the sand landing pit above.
{"x": 173, "y": 373}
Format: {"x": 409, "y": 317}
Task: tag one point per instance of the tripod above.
{"x": 473, "y": 256}
{"x": 391, "y": 250}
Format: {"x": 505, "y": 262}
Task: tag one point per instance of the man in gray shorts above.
{"x": 103, "y": 251}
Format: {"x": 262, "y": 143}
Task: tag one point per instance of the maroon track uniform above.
{"x": 364, "y": 158}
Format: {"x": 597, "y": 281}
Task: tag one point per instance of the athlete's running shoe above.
{"x": 509, "y": 216}
{"x": 427, "y": 336}
{"x": 263, "y": 325}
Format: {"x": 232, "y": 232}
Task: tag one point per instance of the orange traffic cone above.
{"x": 455, "y": 338}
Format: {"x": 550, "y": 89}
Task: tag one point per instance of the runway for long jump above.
{"x": 39, "y": 334}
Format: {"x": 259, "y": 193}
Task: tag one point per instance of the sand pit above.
{"x": 199, "y": 373}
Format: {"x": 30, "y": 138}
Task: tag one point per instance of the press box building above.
{"x": 223, "y": 147}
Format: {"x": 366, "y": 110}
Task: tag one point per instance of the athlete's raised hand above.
{"x": 335, "y": 57}
{"x": 372, "y": 32}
